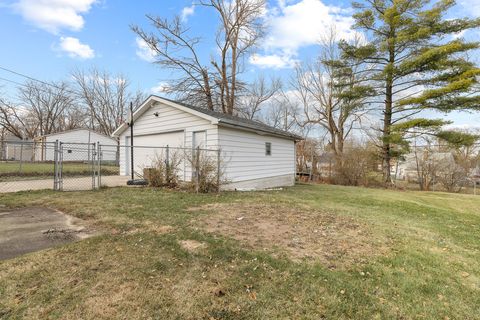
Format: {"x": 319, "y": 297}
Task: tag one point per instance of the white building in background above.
{"x": 15, "y": 149}
{"x": 77, "y": 145}
{"x": 254, "y": 155}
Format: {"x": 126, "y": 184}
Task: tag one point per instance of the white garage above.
{"x": 77, "y": 145}
{"x": 147, "y": 149}
{"x": 254, "y": 155}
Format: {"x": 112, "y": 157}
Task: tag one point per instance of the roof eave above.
{"x": 153, "y": 99}
{"x": 259, "y": 131}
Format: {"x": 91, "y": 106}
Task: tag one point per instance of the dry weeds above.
{"x": 192, "y": 245}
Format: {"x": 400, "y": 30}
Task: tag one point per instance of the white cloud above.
{"x": 274, "y": 61}
{"x": 303, "y": 23}
{"x": 54, "y": 15}
{"x": 144, "y": 51}
{"x": 187, "y": 11}
{"x": 75, "y": 49}
{"x": 471, "y": 6}
{"x": 160, "y": 88}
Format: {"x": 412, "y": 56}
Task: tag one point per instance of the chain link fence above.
{"x": 30, "y": 165}
{"x": 428, "y": 167}
{"x": 196, "y": 168}
{"x": 24, "y": 164}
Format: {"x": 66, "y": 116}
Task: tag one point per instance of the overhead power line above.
{"x": 11, "y": 81}
{"x": 33, "y": 79}
{"x": 25, "y": 76}
{"x": 37, "y": 88}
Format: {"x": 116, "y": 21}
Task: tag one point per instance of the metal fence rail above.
{"x": 23, "y": 165}
{"x": 30, "y": 165}
{"x": 199, "y": 167}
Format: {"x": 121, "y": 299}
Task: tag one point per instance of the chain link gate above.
{"x": 77, "y": 166}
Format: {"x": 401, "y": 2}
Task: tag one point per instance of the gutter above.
{"x": 259, "y": 131}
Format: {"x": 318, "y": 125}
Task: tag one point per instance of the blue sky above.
{"x": 47, "y": 39}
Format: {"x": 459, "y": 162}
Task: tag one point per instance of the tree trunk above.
{"x": 387, "y": 116}
{"x": 208, "y": 90}
{"x": 387, "y": 122}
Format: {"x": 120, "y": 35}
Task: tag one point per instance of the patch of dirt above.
{"x": 192, "y": 245}
{"x": 24, "y": 230}
{"x": 301, "y": 233}
{"x": 56, "y": 234}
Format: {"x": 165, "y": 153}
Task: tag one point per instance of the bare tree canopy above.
{"x": 105, "y": 97}
{"x": 327, "y": 93}
{"x": 214, "y": 83}
{"x": 42, "y": 108}
{"x": 258, "y": 94}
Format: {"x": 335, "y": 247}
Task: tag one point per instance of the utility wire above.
{"x": 34, "y": 79}
{"x": 40, "y": 89}
{"x": 23, "y": 75}
{"x": 11, "y": 81}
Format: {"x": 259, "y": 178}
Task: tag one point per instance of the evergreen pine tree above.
{"x": 419, "y": 63}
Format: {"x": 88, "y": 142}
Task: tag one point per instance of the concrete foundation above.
{"x": 263, "y": 183}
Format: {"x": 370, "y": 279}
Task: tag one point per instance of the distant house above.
{"x": 77, "y": 145}
{"x": 16, "y": 149}
{"x": 407, "y": 169}
{"x": 255, "y": 155}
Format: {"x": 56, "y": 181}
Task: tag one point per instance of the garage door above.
{"x": 149, "y": 148}
{"x": 172, "y": 139}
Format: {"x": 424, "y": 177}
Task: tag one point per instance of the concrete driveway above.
{"x": 69, "y": 184}
{"x": 26, "y": 230}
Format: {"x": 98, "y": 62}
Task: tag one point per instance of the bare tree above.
{"x": 282, "y": 113}
{"x": 239, "y": 32}
{"x": 106, "y": 98}
{"x": 75, "y": 117}
{"x": 42, "y": 109}
{"x": 327, "y": 91}
{"x": 176, "y": 50}
{"x": 14, "y": 122}
{"x": 257, "y": 95}
{"x": 215, "y": 83}
{"x": 428, "y": 163}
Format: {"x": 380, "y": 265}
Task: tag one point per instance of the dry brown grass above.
{"x": 137, "y": 267}
{"x": 192, "y": 245}
{"x": 299, "y": 232}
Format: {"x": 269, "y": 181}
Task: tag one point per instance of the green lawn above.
{"x": 14, "y": 170}
{"x": 420, "y": 257}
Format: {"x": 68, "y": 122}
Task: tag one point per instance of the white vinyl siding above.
{"x": 244, "y": 155}
{"x": 81, "y": 136}
{"x": 243, "y": 152}
{"x": 171, "y": 119}
{"x": 146, "y": 156}
{"x": 149, "y": 129}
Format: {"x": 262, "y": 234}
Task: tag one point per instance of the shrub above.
{"x": 206, "y": 171}
{"x": 164, "y": 172}
{"x": 355, "y": 166}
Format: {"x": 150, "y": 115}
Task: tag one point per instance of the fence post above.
{"x": 60, "y": 166}
{"x": 167, "y": 165}
{"x": 99, "y": 166}
{"x": 92, "y": 147}
{"x": 167, "y": 160}
{"x": 21, "y": 157}
{"x": 218, "y": 170}
{"x": 55, "y": 165}
{"x": 197, "y": 170}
